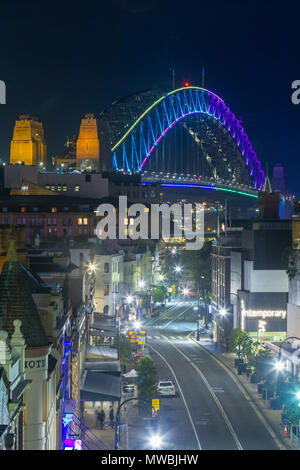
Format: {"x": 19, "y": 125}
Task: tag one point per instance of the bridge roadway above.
{"x": 194, "y": 182}
{"x": 209, "y": 411}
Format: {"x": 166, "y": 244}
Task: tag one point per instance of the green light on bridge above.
{"x": 243, "y": 193}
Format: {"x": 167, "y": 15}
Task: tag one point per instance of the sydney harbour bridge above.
{"x": 188, "y": 137}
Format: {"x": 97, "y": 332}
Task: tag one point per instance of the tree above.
{"x": 124, "y": 349}
{"x": 198, "y": 264}
{"x": 147, "y": 379}
{"x": 160, "y": 293}
{"x": 287, "y": 392}
{"x": 264, "y": 365}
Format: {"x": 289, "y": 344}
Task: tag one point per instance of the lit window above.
{"x": 77, "y": 187}
{"x": 23, "y": 209}
{"x": 126, "y": 221}
{"x": 131, "y": 221}
{"x": 80, "y": 221}
{"x": 52, "y": 187}
{"x": 146, "y": 209}
{"x": 64, "y": 187}
{"x": 54, "y": 209}
{"x": 85, "y": 221}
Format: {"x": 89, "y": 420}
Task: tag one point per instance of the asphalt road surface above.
{"x": 209, "y": 411}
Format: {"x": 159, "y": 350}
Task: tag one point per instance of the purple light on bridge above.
{"x": 197, "y": 186}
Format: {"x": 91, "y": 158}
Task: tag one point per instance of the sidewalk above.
{"x": 272, "y": 417}
{"x": 106, "y": 435}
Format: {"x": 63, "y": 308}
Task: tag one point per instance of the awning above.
{"x": 101, "y": 352}
{"x": 108, "y": 367}
{"x": 97, "y": 386}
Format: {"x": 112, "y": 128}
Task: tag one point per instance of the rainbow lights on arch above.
{"x": 135, "y": 147}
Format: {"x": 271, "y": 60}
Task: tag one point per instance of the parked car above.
{"x": 166, "y": 387}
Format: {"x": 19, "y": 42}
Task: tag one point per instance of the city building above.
{"x": 12, "y": 387}
{"x": 249, "y": 275}
{"x": 28, "y": 144}
{"x": 87, "y": 148}
{"x": 16, "y": 303}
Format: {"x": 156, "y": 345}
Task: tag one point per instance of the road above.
{"x": 209, "y": 411}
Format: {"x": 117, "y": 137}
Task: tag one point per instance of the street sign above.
{"x": 155, "y": 403}
{"x": 141, "y": 339}
{"x": 174, "y": 289}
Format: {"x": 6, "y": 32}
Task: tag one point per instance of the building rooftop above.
{"x": 16, "y": 302}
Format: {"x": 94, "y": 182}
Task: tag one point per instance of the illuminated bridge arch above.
{"x": 135, "y": 147}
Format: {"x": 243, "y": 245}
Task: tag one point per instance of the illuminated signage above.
{"x": 264, "y": 314}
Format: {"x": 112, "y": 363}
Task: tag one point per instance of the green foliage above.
{"x": 198, "y": 264}
{"x": 287, "y": 392}
{"x": 244, "y": 341}
{"x": 264, "y": 365}
{"x": 147, "y": 379}
{"x": 124, "y": 348}
{"x": 160, "y": 293}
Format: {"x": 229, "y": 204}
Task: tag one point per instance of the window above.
{"x": 64, "y": 187}
{"x": 23, "y": 209}
{"x": 106, "y": 288}
{"x": 106, "y": 267}
{"x": 85, "y": 221}
{"x": 54, "y": 209}
{"x": 79, "y": 221}
{"x": 4, "y": 209}
{"x": 76, "y": 187}
{"x": 35, "y": 209}
{"x": 49, "y": 222}
{"x": 87, "y": 178}
{"x": 52, "y": 187}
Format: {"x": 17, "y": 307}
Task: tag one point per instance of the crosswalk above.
{"x": 169, "y": 337}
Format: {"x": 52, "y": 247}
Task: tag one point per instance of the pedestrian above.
{"x": 100, "y": 418}
{"x": 111, "y": 416}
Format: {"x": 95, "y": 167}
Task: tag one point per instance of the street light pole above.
{"x": 118, "y": 417}
{"x": 239, "y": 323}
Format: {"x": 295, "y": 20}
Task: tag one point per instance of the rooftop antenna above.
{"x": 173, "y": 75}
{"x": 202, "y": 77}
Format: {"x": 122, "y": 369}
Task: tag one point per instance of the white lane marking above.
{"x": 239, "y": 445}
{"x": 246, "y": 394}
{"x": 182, "y": 396}
{"x": 171, "y": 321}
{"x": 149, "y": 337}
{"x": 165, "y": 313}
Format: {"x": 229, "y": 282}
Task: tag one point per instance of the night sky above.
{"x": 61, "y": 60}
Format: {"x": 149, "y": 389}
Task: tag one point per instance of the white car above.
{"x": 166, "y": 387}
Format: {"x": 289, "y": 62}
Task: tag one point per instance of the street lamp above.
{"x": 129, "y": 299}
{"x": 155, "y": 441}
{"x": 142, "y": 284}
{"x": 185, "y": 291}
{"x": 178, "y": 269}
{"x": 280, "y": 347}
{"x": 118, "y": 417}
{"x": 223, "y": 312}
